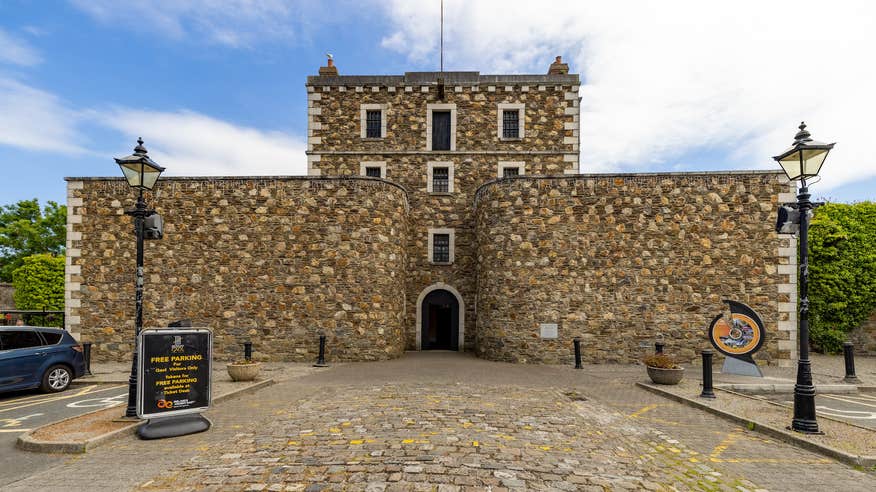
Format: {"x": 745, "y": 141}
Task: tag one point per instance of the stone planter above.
{"x": 243, "y": 372}
{"x": 665, "y": 376}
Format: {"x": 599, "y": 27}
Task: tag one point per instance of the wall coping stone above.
{"x": 450, "y": 79}
{"x": 704, "y": 174}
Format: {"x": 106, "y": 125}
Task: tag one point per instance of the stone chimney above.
{"x": 557, "y": 67}
{"x": 330, "y": 70}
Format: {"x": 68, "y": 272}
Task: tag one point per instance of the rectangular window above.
{"x": 441, "y": 248}
{"x": 510, "y": 123}
{"x": 440, "y": 130}
{"x": 440, "y": 180}
{"x": 373, "y": 172}
{"x": 12, "y": 340}
{"x": 507, "y": 172}
{"x": 373, "y": 123}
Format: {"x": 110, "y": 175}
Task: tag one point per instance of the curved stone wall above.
{"x": 623, "y": 260}
{"x": 273, "y": 260}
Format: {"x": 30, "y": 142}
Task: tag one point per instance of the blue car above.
{"x": 36, "y": 357}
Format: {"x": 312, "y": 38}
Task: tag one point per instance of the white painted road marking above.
{"x": 848, "y": 400}
{"x": 99, "y": 402}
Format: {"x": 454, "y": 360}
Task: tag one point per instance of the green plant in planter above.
{"x": 663, "y": 369}
{"x": 661, "y": 361}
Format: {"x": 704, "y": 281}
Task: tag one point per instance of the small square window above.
{"x": 440, "y": 180}
{"x": 510, "y": 123}
{"x": 508, "y": 172}
{"x": 373, "y": 172}
{"x": 441, "y": 248}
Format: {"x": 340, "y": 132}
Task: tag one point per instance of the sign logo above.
{"x": 164, "y": 404}
{"x": 177, "y": 346}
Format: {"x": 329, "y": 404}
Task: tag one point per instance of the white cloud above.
{"x": 17, "y": 51}
{"x": 192, "y": 144}
{"x": 234, "y": 23}
{"x": 185, "y": 142}
{"x": 37, "y": 120}
{"x": 665, "y": 80}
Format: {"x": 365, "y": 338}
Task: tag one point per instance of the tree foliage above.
{"x": 26, "y": 230}
{"x": 39, "y": 283}
{"x": 842, "y": 265}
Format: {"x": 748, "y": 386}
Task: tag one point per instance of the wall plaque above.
{"x": 549, "y": 330}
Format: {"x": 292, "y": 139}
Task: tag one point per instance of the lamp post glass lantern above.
{"x": 142, "y": 173}
{"x": 801, "y": 161}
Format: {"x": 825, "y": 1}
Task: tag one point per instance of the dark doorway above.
{"x": 440, "y": 130}
{"x": 440, "y": 313}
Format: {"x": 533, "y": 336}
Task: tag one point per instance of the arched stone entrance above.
{"x": 440, "y": 318}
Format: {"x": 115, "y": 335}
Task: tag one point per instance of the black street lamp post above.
{"x": 142, "y": 174}
{"x": 803, "y": 160}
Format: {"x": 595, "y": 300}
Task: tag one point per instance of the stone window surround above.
{"x": 521, "y": 111}
{"x": 422, "y": 296}
{"x": 432, "y": 165}
{"x": 366, "y": 164}
{"x": 520, "y": 165}
{"x": 449, "y": 232}
{"x": 441, "y": 107}
{"x": 363, "y": 116}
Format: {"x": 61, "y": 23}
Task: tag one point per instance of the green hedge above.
{"x": 39, "y": 283}
{"x": 842, "y": 265}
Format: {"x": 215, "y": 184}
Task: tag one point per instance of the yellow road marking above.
{"x": 771, "y": 460}
{"x": 643, "y": 410}
{"x": 84, "y": 391}
{"x": 23, "y": 399}
{"x": 15, "y": 430}
{"x": 728, "y": 441}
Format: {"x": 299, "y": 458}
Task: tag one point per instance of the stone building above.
{"x": 442, "y": 210}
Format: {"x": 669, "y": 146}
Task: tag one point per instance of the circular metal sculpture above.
{"x": 738, "y": 337}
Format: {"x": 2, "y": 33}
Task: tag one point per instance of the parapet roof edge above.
{"x": 450, "y": 78}
{"x": 631, "y": 175}
{"x": 240, "y": 178}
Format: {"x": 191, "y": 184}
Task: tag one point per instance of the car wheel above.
{"x": 56, "y": 378}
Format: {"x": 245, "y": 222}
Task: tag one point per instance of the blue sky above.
{"x": 217, "y": 87}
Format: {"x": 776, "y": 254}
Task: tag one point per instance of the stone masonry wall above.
{"x": 623, "y": 260}
{"x": 336, "y": 147}
{"x": 273, "y": 260}
{"x": 864, "y": 336}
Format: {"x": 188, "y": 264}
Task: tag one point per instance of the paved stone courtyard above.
{"x": 433, "y": 421}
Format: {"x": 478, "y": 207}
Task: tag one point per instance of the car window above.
{"x": 51, "y": 337}
{"x": 19, "y": 339}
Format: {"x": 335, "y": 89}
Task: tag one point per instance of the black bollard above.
{"x": 708, "y": 392}
{"x": 86, "y": 354}
{"x": 247, "y": 351}
{"x": 577, "y": 342}
{"x": 658, "y": 347}
{"x": 849, "y": 356}
{"x": 320, "y": 360}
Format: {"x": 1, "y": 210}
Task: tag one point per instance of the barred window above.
{"x": 441, "y": 248}
{"x": 373, "y": 172}
{"x": 507, "y": 172}
{"x": 510, "y": 123}
{"x": 372, "y": 120}
{"x": 440, "y": 180}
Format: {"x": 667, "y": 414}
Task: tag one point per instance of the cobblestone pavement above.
{"x": 448, "y": 422}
